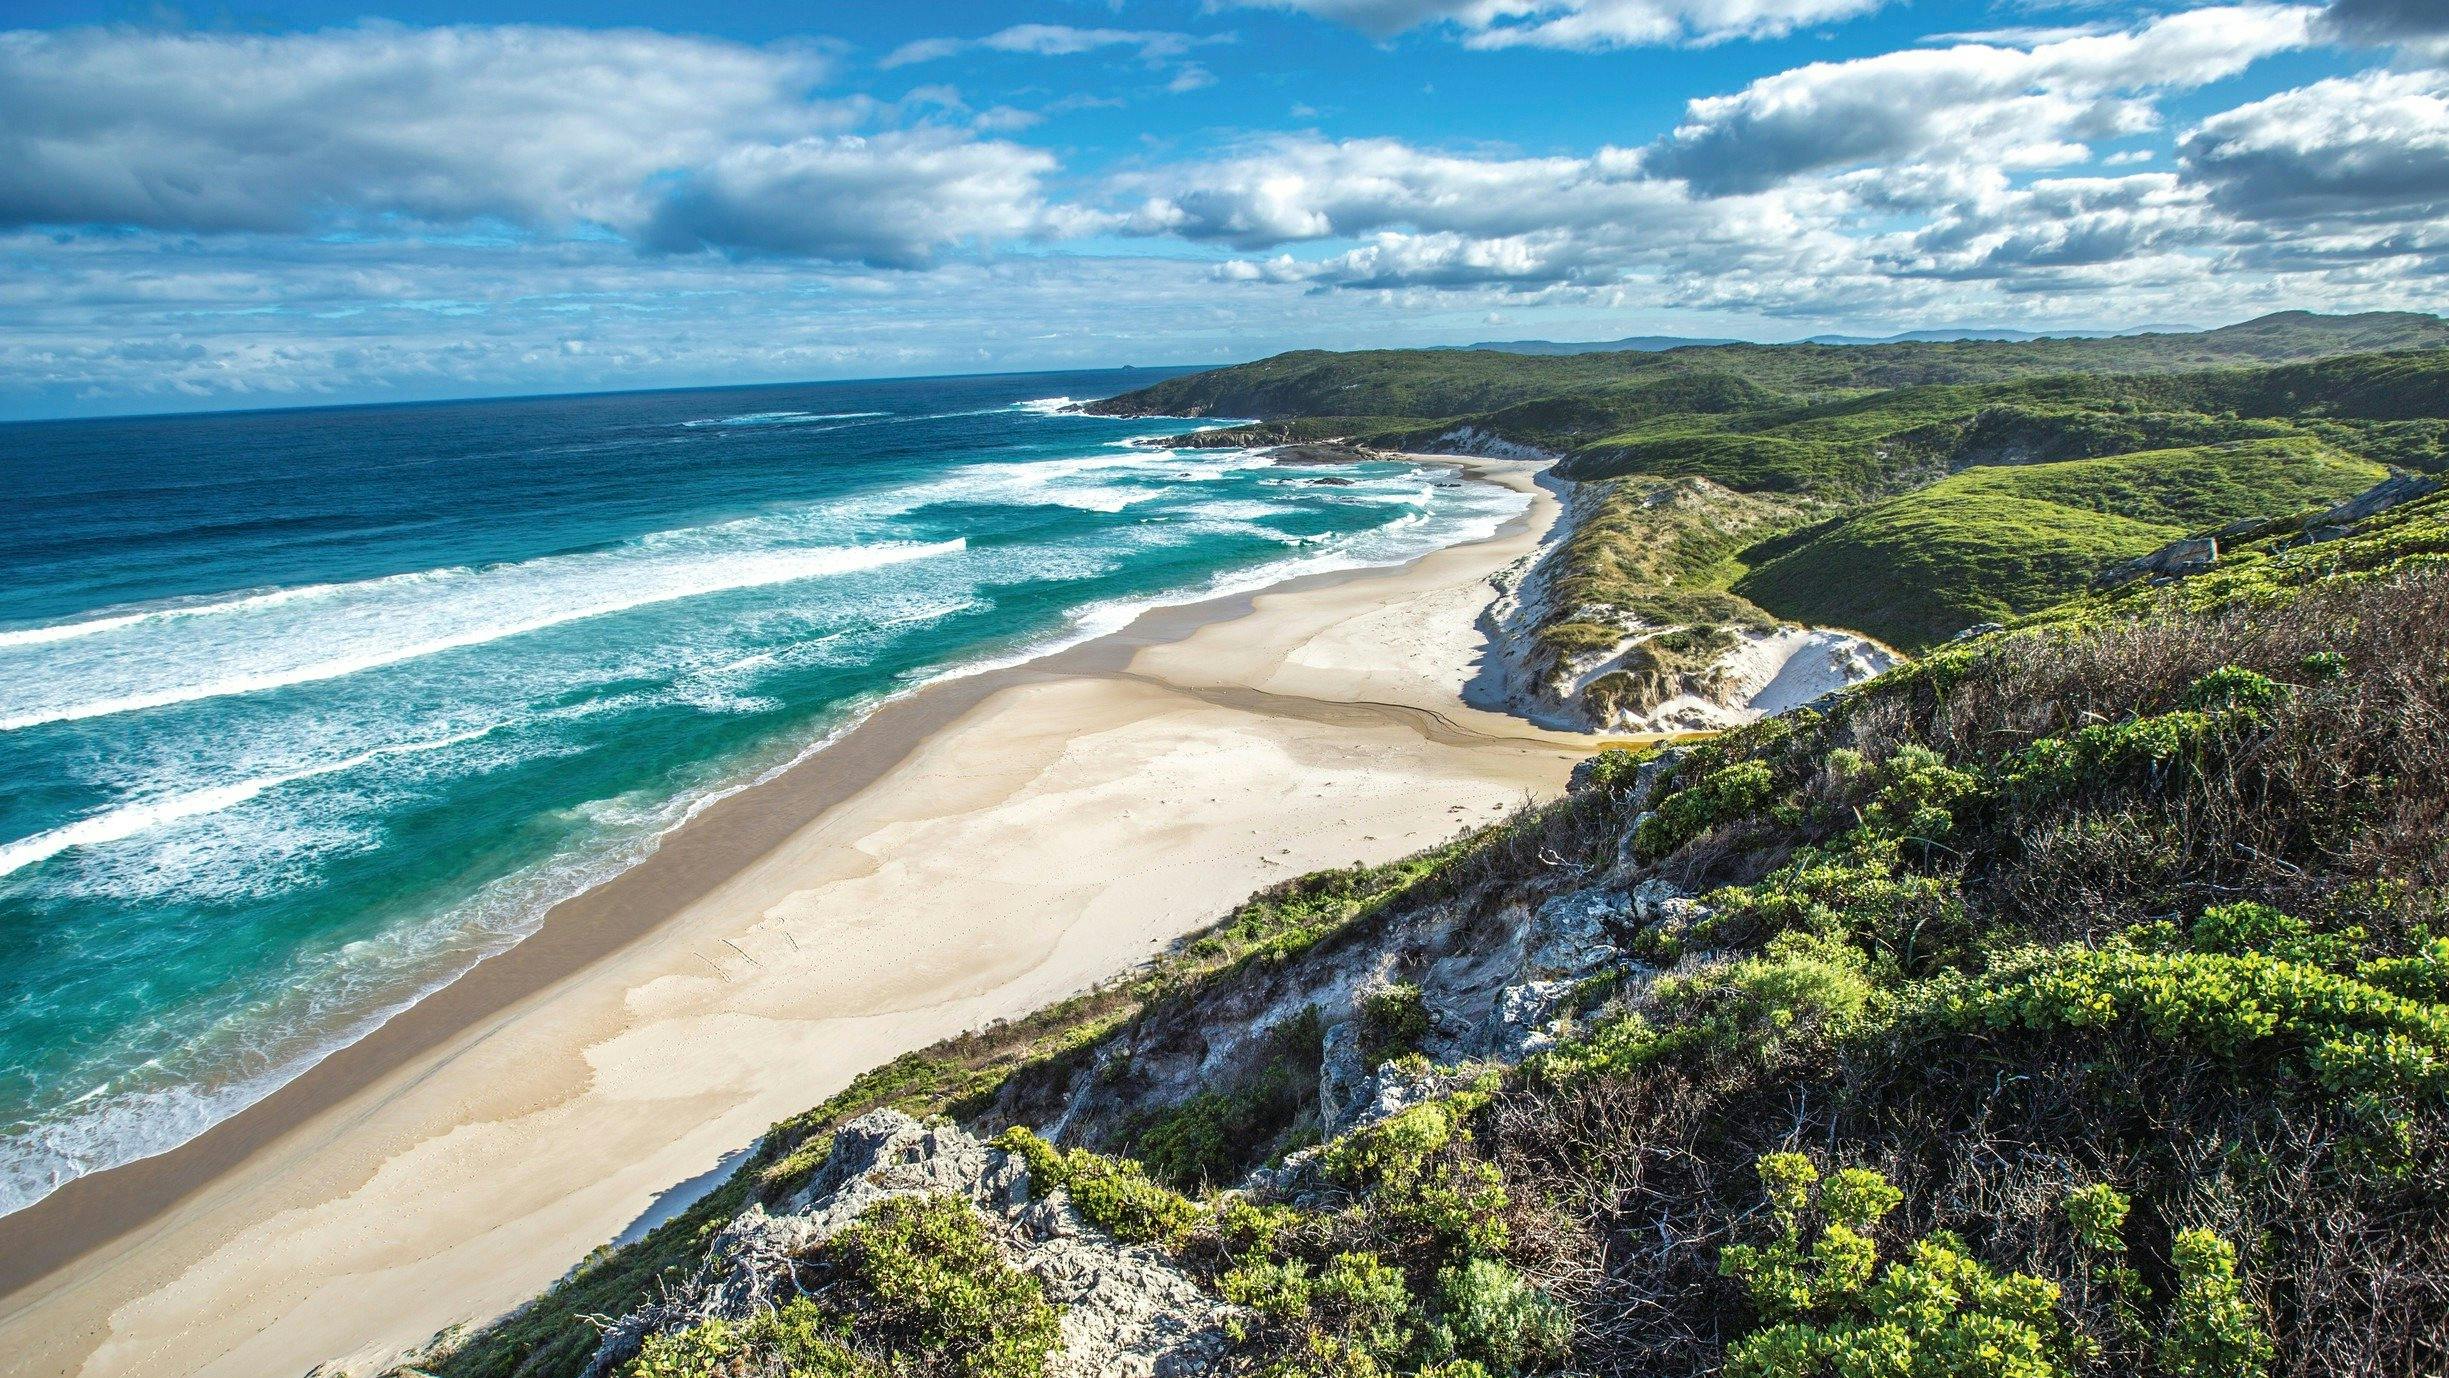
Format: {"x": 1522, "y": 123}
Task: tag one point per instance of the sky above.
{"x": 297, "y": 202}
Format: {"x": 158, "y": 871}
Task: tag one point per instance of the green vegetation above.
{"x": 1728, "y": 455}
{"x": 2071, "y": 1002}
{"x": 1658, "y": 554}
{"x": 794, "y": 1341}
{"x": 915, "y": 1286}
{"x": 1393, "y": 1022}
{"x": 1831, "y": 1307}
{"x": 961, "y": 1076}
{"x": 935, "y": 1292}
{"x": 1991, "y": 543}
{"x": 1468, "y": 384}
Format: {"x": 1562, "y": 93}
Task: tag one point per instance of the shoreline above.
{"x": 94, "y": 1277}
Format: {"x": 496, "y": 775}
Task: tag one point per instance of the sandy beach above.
{"x": 971, "y": 852}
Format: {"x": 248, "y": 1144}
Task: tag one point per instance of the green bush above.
{"x": 1394, "y": 1021}
{"x": 937, "y": 1290}
{"x": 1721, "y": 796}
{"x": 1114, "y": 1194}
{"x": 1492, "y": 1315}
{"x": 2212, "y": 1331}
{"x": 796, "y": 1341}
{"x": 1833, "y": 1310}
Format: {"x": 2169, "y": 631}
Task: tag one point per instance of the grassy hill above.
{"x": 2071, "y": 1004}
{"x": 1439, "y": 384}
{"x": 1993, "y": 542}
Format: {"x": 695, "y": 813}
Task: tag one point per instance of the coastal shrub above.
{"x": 2345, "y": 1034}
{"x": 1217, "y": 1136}
{"x": 1615, "y": 768}
{"x": 1424, "y": 1187}
{"x": 1490, "y": 1314}
{"x": 1350, "y": 1316}
{"x": 938, "y": 1294}
{"x": 795, "y": 1341}
{"x": 1114, "y": 1194}
{"x": 1721, "y": 796}
{"x": 2212, "y": 1329}
{"x": 1832, "y": 1308}
{"x": 1394, "y": 1021}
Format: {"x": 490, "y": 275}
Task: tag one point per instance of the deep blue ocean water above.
{"x": 304, "y": 712}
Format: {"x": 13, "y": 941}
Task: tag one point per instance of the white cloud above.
{"x": 1154, "y": 46}
{"x": 2018, "y": 107}
{"x": 888, "y": 201}
{"x": 1583, "y": 24}
{"x": 2367, "y": 148}
{"x": 674, "y": 140}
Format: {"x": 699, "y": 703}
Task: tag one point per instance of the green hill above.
{"x": 1438, "y": 384}
{"x": 1990, "y": 543}
{"x": 2072, "y": 1004}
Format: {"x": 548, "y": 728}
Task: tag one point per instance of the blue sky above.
{"x": 307, "y": 202}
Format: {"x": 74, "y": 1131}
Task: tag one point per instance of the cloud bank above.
{"x": 234, "y": 215}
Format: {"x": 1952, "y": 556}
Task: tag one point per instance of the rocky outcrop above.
{"x": 1471, "y": 440}
{"x": 2172, "y": 561}
{"x": 2379, "y": 498}
{"x": 1126, "y": 1309}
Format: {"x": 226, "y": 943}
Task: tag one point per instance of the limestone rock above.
{"x": 1126, "y": 1309}
{"x": 2381, "y": 497}
{"x": 1574, "y": 934}
{"x": 2177, "y": 558}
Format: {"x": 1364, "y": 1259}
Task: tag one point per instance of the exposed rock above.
{"x": 1126, "y": 1309}
{"x": 1343, "y": 1083}
{"x": 1471, "y": 440}
{"x": 1573, "y": 934}
{"x": 1977, "y": 629}
{"x": 2381, "y": 497}
{"x": 1658, "y": 900}
{"x": 2178, "y": 558}
{"x": 1526, "y": 1015}
{"x": 1320, "y": 453}
{"x": 2318, "y": 535}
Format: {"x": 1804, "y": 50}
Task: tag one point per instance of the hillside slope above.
{"x": 1990, "y": 543}
{"x": 2071, "y": 1002}
{"x": 1431, "y": 384}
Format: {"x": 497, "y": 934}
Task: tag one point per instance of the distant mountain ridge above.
{"x": 1381, "y": 390}
{"x": 1655, "y": 344}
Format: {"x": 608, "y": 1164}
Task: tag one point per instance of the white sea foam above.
{"x": 94, "y": 626}
{"x": 782, "y": 418}
{"x": 443, "y": 610}
{"x": 330, "y": 999}
{"x": 128, "y": 820}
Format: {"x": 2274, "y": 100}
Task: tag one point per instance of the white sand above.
{"x": 1046, "y": 838}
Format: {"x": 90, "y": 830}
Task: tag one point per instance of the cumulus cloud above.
{"x": 1154, "y": 46}
{"x": 1583, "y": 24}
{"x": 2373, "y": 147}
{"x": 1300, "y": 188}
{"x": 2388, "y": 21}
{"x": 674, "y": 140}
{"x": 2018, "y": 107}
{"x": 1422, "y": 218}
{"x": 888, "y": 201}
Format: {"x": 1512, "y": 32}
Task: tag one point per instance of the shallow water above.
{"x": 303, "y": 712}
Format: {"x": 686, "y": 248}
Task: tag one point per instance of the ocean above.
{"x": 305, "y": 712}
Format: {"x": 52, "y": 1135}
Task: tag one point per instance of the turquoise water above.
{"x": 302, "y": 713}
